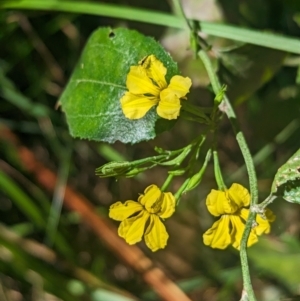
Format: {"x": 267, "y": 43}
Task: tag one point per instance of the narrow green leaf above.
{"x": 179, "y": 159}
{"x": 287, "y": 180}
{"x": 196, "y": 179}
{"x": 266, "y": 39}
{"x": 91, "y": 99}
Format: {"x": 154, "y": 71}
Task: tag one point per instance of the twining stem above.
{"x": 228, "y": 110}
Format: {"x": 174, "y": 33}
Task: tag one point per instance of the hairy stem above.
{"x": 226, "y": 107}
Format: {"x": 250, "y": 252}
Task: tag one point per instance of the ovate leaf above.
{"x": 91, "y": 100}
{"x": 287, "y": 180}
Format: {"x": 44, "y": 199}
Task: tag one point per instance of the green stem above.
{"x": 179, "y": 192}
{"x": 267, "y": 201}
{"x": 228, "y": 110}
{"x": 218, "y": 173}
{"x": 167, "y": 182}
{"x": 249, "y": 165}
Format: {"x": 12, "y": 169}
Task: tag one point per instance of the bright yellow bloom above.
{"x": 148, "y": 87}
{"x": 153, "y": 205}
{"x": 228, "y": 230}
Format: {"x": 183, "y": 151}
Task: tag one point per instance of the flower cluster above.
{"x": 228, "y": 230}
{"x": 148, "y": 87}
{"x": 151, "y": 206}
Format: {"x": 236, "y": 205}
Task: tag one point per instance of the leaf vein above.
{"x": 108, "y": 47}
{"x": 78, "y": 81}
{"x": 93, "y": 115}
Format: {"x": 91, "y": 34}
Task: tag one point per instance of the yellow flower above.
{"x": 148, "y": 87}
{"x": 153, "y": 205}
{"x": 229, "y": 228}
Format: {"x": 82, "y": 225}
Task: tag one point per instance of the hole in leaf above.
{"x": 111, "y": 35}
{"x": 290, "y": 191}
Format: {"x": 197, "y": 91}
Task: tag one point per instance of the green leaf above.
{"x": 290, "y": 191}
{"x": 287, "y": 180}
{"x": 91, "y": 99}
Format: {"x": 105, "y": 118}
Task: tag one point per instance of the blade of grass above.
{"x": 35, "y": 215}
{"x": 243, "y": 35}
{"x": 100, "y": 9}
{"x": 260, "y": 38}
{"x": 109, "y": 153}
{"x": 20, "y": 263}
{"x": 58, "y": 198}
{"x": 21, "y": 200}
{"x": 11, "y": 94}
{"x": 48, "y": 257}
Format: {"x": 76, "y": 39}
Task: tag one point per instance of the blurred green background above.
{"x": 39, "y": 49}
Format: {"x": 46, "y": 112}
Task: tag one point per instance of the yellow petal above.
{"x": 218, "y": 203}
{"x": 136, "y": 106}
{"x": 169, "y": 104}
{"x": 239, "y": 195}
{"x": 263, "y": 224}
{"x": 132, "y": 229}
{"x": 244, "y": 213}
{"x": 237, "y": 232}
{"x": 218, "y": 235}
{"x": 119, "y": 211}
{"x": 180, "y": 85}
{"x": 155, "y": 70}
{"x": 270, "y": 215}
{"x": 138, "y": 82}
{"x": 156, "y": 235}
{"x": 152, "y": 195}
{"x": 168, "y": 205}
